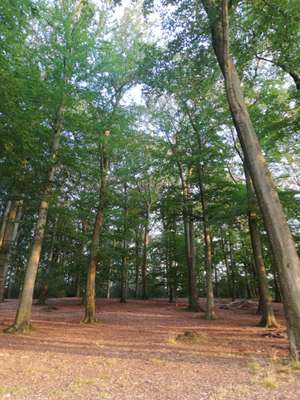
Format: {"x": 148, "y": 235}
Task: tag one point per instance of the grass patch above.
{"x": 157, "y": 361}
{"x": 254, "y": 366}
{"x": 6, "y": 392}
{"x": 295, "y": 365}
{"x": 270, "y": 382}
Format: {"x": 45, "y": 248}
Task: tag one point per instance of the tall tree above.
{"x": 286, "y": 256}
{"x": 70, "y": 22}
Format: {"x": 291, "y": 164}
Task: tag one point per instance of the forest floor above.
{"x": 134, "y": 352}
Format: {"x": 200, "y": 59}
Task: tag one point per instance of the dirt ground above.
{"x": 134, "y": 353}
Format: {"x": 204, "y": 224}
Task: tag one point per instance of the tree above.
{"x": 70, "y": 23}
{"x": 286, "y": 257}
{"x": 90, "y": 307}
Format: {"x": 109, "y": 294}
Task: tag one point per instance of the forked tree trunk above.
{"x": 22, "y": 320}
{"x": 268, "y": 319}
{"x": 8, "y": 239}
{"x": 90, "y": 298}
{"x": 280, "y": 236}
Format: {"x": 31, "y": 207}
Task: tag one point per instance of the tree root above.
{"x": 24, "y": 327}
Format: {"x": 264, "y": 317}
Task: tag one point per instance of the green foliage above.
{"x": 164, "y": 106}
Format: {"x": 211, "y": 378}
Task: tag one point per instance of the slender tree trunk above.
{"x": 9, "y": 237}
{"x": 172, "y": 283}
{"x": 124, "y": 279}
{"x": 124, "y": 271}
{"x": 109, "y": 282}
{"x": 190, "y": 256}
{"x": 137, "y": 263}
{"x": 173, "y": 265}
{"x": 280, "y": 236}
{"x": 268, "y": 319}
{"x": 278, "y": 297}
{"x": 90, "y": 301}
{"x": 4, "y": 221}
{"x": 145, "y": 253}
{"x": 187, "y": 212}
{"x": 45, "y": 284}
{"x": 230, "y": 292}
{"x": 216, "y": 282}
{"x": 232, "y": 270}
{"x": 78, "y": 284}
{"x": 22, "y": 320}
{"x": 171, "y": 277}
{"x": 210, "y": 306}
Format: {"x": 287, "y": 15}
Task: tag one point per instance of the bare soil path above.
{"x": 132, "y": 354}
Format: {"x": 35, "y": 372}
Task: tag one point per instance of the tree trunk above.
{"x": 280, "y": 236}
{"x": 22, "y": 320}
{"x": 232, "y": 270}
{"x": 278, "y": 297}
{"x": 9, "y": 236}
{"x": 210, "y": 306}
{"x": 268, "y": 319}
{"x": 78, "y": 284}
{"x": 45, "y": 284}
{"x": 187, "y": 212}
{"x": 4, "y": 221}
{"x": 190, "y": 256}
{"x": 90, "y": 301}
{"x": 230, "y": 292}
{"x": 171, "y": 273}
{"x": 124, "y": 278}
{"x": 124, "y": 271}
{"x": 145, "y": 253}
{"x": 137, "y": 263}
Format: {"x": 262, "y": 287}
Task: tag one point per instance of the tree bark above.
{"x": 190, "y": 256}
{"x": 223, "y": 245}
{"x": 22, "y": 320}
{"x": 268, "y": 319}
{"x": 137, "y": 262}
{"x": 45, "y": 284}
{"x": 124, "y": 271}
{"x": 145, "y": 252}
{"x": 210, "y": 306}
{"x": 232, "y": 270}
{"x": 4, "y": 221}
{"x": 90, "y": 301}
{"x": 280, "y": 236}
{"x": 9, "y": 236}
